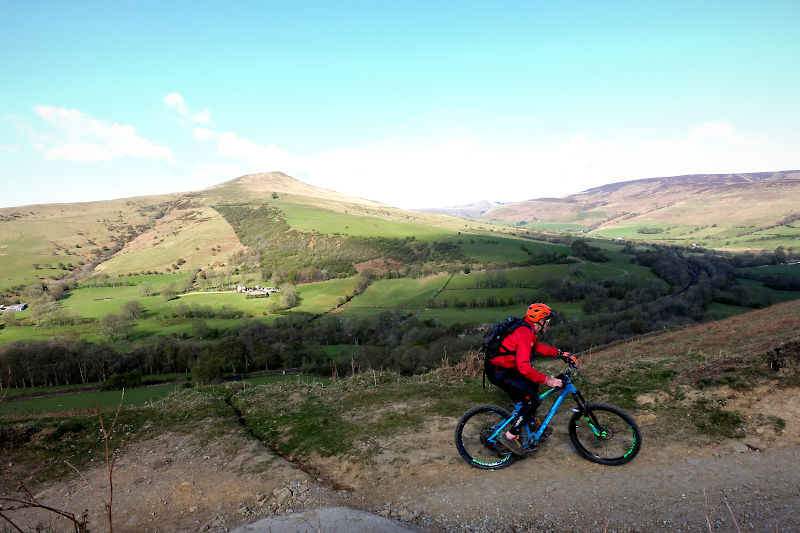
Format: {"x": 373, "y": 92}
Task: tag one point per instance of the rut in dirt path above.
{"x": 304, "y": 466}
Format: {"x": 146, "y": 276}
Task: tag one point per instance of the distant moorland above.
{"x": 736, "y": 212}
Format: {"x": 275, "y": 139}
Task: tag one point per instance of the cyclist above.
{"x": 512, "y": 371}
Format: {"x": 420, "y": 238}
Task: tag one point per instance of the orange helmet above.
{"x": 538, "y": 312}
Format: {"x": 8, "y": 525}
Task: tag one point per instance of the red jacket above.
{"x": 523, "y": 341}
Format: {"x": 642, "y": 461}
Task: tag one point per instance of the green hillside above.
{"x": 735, "y": 212}
{"x": 330, "y": 280}
{"x": 48, "y": 241}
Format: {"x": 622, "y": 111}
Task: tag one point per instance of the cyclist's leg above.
{"x": 520, "y": 389}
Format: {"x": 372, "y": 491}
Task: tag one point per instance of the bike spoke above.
{"x": 476, "y": 438}
{"x": 606, "y": 435}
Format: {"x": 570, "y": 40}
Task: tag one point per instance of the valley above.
{"x": 367, "y": 349}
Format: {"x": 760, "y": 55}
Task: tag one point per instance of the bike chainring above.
{"x": 486, "y": 433}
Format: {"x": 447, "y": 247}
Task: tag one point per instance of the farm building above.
{"x": 257, "y": 290}
{"x": 15, "y": 307}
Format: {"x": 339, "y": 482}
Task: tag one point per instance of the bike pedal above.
{"x": 575, "y": 410}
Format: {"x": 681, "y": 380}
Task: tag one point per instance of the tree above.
{"x": 56, "y": 289}
{"x": 115, "y": 326}
{"x": 43, "y": 309}
{"x": 32, "y": 292}
{"x": 145, "y": 289}
{"x": 169, "y": 292}
{"x": 208, "y": 367}
{"x": 778, "y": 256}
{"x": 132, "y": 309}
{"x": 365, "y": 278}
{"x": 234, "y": 352}
{"x": 273, "y": 306}
{"x": 582, "y": 248}
{"x": 10, "y": 319}
{"x": 289, "y": 296}
{"x": 200, "y": 329}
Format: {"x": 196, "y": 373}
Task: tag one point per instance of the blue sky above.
{"x": 412, "y": 103}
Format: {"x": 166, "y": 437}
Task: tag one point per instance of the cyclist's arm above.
{"x": 543, "y": 349}
{"x": 524, "y": 338}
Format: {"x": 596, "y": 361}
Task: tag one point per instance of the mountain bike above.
{"x": 601, "y": 433}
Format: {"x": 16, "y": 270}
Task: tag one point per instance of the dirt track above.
{"x": 170, "y": 484}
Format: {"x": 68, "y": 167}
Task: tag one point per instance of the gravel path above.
{"x": 172, "y": 484}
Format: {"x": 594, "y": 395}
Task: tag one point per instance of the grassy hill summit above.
{"x": 189, "y": 231}
{"x": 261, "y": 187}
{"x": 722, "y": 211}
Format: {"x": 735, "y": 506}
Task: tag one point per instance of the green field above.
{"x": 162, "y": 317}
{"x": 777, "y": 296}
{"x": 480, "y": 295}
{"x": 134, "y": 397}
{"x": 309, "y": 218}
{"x": 391, "y": 293}
{"x": 782, "y": 231}
{"x": 556, "y": 227}
{"x": 709, "y": 236}
{"x": 519, "y": 277}
{"x": 318, "y": 298}
{"x": 502, "y": 250}
{"x": 90, "y": 400}
{"x": 776, "y": 270}
{"x": 719, "y": 311}
{"x": 159, "y": 316}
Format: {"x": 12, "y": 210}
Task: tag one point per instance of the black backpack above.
{"x": 493, "y": 340}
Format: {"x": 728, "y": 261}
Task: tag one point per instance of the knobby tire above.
{"x": 471, "y": 435}
{"x": 620, "y": 443}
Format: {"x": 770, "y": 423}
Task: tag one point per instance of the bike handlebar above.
{"x": 568, "y": 372}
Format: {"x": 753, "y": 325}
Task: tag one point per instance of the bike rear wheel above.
{"x": 473, "y": 438}
{"x": 605, "y": 434}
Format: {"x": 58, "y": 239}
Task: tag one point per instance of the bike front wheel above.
{"x": 605, "y": 434}
{"x": 474, "y": 438}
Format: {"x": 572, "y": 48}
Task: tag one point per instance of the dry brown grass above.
{"x": 754, "y": 332}
{"x": 469, "y": 366}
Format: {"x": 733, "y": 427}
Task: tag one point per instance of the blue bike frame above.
{"x": 529, "y": 437}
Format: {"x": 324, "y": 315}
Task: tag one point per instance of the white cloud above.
{"x": 10, "y": 148}
{"x": 81, "y": 138}
{"x": 175, "y": 101}
{"x": 722, "y": 132}
{"x": 464, "y": 169}
{"x": 203, "y": 117}
{"x": 204, "y": 134}
{"x": 258, "y": 158}
{"x": 79, "y": 153}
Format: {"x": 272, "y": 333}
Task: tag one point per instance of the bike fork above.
{"x": 594, "y": 424}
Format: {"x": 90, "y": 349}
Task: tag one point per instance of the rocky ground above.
{"x": 173, "y": 484}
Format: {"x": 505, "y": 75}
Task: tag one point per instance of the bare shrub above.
{"x": 26, "y": 499}
{"x": 469, "y": 366}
